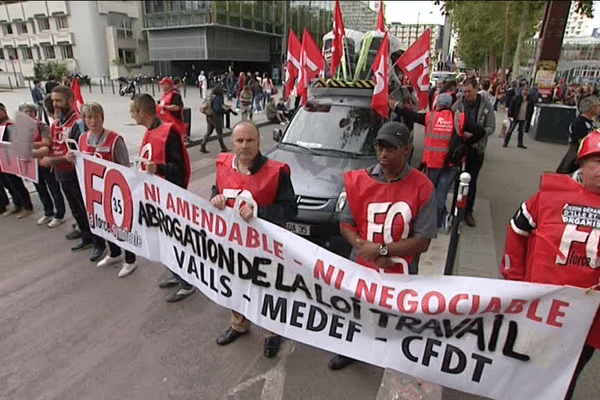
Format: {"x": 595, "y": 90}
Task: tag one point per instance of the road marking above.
{"x": 274, "y": 379}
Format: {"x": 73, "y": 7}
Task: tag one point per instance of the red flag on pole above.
{"x": 292, "y": 68}
{"x": 380, "y": 18}
{"x": 338, "y": 38}
{"x": 381, "y": 75}
{"x": 312, "y": 64}
{"x": 77, "y": 97}
{"x": 415, "y": 65}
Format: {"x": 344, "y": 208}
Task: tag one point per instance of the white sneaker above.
{"x": 55, "y": 222}
{"x": 44, "y": 220}
{"x": 108, "y": 260}
{"x": 127, "y": 269}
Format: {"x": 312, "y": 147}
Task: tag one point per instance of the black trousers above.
{"x": 513, "y": 124}
{"x": 3, "y": 196}
{"x": 472, "y": 166}
{"x": 50, "y": 195}
{"x": 584, "y": 358}
{"x": 214, "y": 122}
{"x": 115, "y": 251}
{"x": 75, "y": 199}
{"x": 17, "y": 190}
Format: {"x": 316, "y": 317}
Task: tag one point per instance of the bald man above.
{"x": 268, "y": 183}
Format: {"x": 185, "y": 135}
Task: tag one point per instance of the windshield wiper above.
{"x": 312, "y": 151}
{"x": 342, "y": 152}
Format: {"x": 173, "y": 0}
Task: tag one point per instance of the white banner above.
{"x": 500, "y": 339}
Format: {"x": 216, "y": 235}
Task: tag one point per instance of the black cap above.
{"x": 395, "y": 133}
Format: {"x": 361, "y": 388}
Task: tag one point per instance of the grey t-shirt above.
{"x": 425, "y": 223}
{"x": 121, "y": 155}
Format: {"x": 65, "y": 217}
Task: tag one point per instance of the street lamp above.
{"x": 418, "y": 15}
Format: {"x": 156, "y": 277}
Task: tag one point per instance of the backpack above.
{"x": 206, "y": 107}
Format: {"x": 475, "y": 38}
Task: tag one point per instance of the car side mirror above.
{"x": 277, "y": 134}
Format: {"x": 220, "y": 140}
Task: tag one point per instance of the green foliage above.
{"x": 41, "y": 70}
{"x": 585, "y": 7}
{"x": 481, "y": 27}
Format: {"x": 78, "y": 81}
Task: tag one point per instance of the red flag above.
{"x": 380, "y": 18}
{"x": 312, "y": 64}
{"x": 78, "y": 98}
{"x": 338, "y": 38}
{"x": 293, "y": 62}
{"x": 415, "y": 65}
{"x": 381, "y": 74}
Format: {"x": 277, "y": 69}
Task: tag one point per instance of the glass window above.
{"x": 12, "y": 53}
{"x": 48, "y": 52}
{"x": 27, "y": 53}
{"x": 1, "y": 54}
{"x": 158, "y": 6}
{"x": 62, "y": 22}
{"x": 21, "y": 27}
{"x": 66, "y": 51}
{"x": 7, "y": 29}
{"x": 44, "y": 24}
{"x": 127, "y": 56}
{"x": 334, "y": 129}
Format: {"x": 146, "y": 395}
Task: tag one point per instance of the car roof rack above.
{"x": 344, "y": 83}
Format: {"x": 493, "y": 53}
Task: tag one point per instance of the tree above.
{"x": 517, "y": 58}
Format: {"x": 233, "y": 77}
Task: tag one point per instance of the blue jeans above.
{"x": 442, "y": 180}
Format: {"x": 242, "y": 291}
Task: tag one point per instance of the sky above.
{"x": 407, "y": 12}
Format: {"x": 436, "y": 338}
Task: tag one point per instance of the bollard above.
{"x": 101, "y": 87}
{"x": 10, "y": 83}
{"x": 459, "y": 214}
{"x": 90, "y": 85}
{"x": 112, "y": 84}
{"x": 152, "y": 84}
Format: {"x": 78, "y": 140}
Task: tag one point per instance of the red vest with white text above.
{"x": 172, "y": 117}
{"x": 262, "y": 186}
{"x": 563, "y": 248}
{"x": 154, "y": 148}
{"x": 58, "y": 144}
{"x": 384, "y": 212}
{"x": 105, "y": 150}
{"x": 439, "y": 126}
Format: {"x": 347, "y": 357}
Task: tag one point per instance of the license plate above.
{"x": 300, "y": 229}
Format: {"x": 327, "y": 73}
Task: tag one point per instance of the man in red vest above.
{"x": 248, "y": 173}
{"x": 69, "y": 125}
{"x": 551, "y": 239}
{"x": 170, "y": 107}
{"x": 168, "y": 158}
{"x": 390, "y": 214}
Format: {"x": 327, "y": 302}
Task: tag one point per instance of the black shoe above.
{"x": 229, "y": 336}
{"x": 522, "y": 146}
{"x": 339, "y": 361}
{"x": 224, "y": 149}
{"x": 75, "y": 234}
{"x": 271, "y": 346}
{"x": 180, "y": 294}
{"x": 469, "y": 220}
{"x": 168, "y": 283}
{"x": 82, "y": 244}
{"x": 504, "y": 144}
{"x": 97, "y": 253}
{"x": 234, "y": 113}
{"x": 203, "y": 150}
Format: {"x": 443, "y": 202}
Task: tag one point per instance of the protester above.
{"x": 520, "y": 111}
{"x": 479, "y": 124}
{"x": 68, "y": 122}
{"x": 439, "y": 128}
{"x": 267, "y": 88}
{"x": 170, "y": 107}
{"x": 281, "y": 106}
{"x": 273, "y": 114}
{"x": 38, "y": 94}
{"x": 51, "y": 84}
{"x": 202, "y": 85}
{"x": 168, "y": 159}
{"x": 589, "y": 108}
{"x": 241, "y": 82}
{"x": 19, "y": 193}
{"x": 246, "y": 102}
{"x": 268, "y": 183}
{"x": 399, "y": 193}
{"x": 47, "y": 187}
{"x": 109, "y": 146}
{"x": 543, "y": 246}
{"x": 214, "y": 121}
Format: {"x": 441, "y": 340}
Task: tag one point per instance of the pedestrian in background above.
{"x": 214, "y": 121}
{"x": 246, "y": 103}
{"x": 519, "y": 111}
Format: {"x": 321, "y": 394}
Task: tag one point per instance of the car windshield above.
{"x": 345, "y": 130}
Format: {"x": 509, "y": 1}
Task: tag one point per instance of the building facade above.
{"x": 95, "y": 38}
{"x": 409, "y": 33}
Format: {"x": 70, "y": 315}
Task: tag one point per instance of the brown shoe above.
{"x": 469, "y": 220}
{"x": 24, "y": 213}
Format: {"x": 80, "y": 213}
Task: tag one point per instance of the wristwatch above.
{"x": 383, "y": 250}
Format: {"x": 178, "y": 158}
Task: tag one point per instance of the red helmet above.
{"x": 589, "y": 145}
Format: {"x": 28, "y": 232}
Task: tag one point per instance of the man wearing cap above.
{"x": 549, "y": 240}
{"x": 589, "y": 108}
{"x": 390, "y": 215}
{"x": 170, "y": 107}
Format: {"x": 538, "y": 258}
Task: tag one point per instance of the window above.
{"x": 21, "y": 27}
{"x": 12, "y": 53}
{"x": 125, "y": 29}
{"x": 48, "y": 51}
{"x": 62, "y": 22}
{"x": 127, "y": 56}
{"x": 7, "y": 29}
{"x": 66, "y": 51}
{"x": 27, "y": 53}
{"x": 44, "y": 24}
{"x": 1, "y": 54}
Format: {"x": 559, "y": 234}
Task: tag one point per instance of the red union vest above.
{"x": 439, "y": 126}
{"x": 154, "y": 147}
{"x": 563, "y": 248}
{"x": 58, "y": 144}
{"x": 172, "y": 117}
{"x": 260, "y": 186}
{"x": 385, "y": 212}
{"x": 105, "y": 150}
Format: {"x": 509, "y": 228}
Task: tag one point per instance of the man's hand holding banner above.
{"x": 500, "y": 339}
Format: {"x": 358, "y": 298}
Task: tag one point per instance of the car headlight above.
{"x": 341, "y": 201}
